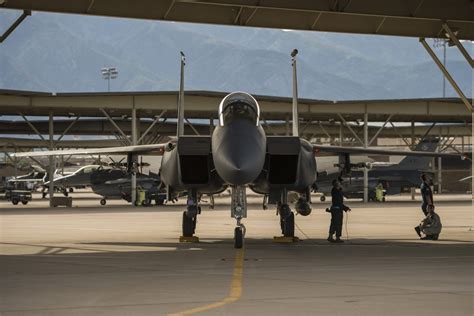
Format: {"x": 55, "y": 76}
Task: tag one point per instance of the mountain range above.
{"x": 64, "y": 53}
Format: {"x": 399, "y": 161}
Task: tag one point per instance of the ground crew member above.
{"x": 430, "y": 226}
{"x": 337, "y": 209}
{"x": 426, "y": 194}
{"x": 379, "y": 192}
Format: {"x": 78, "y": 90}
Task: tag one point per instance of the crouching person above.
{"x": 430, "y": 226}
{"x": 337, "y": 212}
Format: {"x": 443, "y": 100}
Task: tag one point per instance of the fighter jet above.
{"x": 116, "y": 184}
{"x": 81, "y": 178}
{"x": 238, "y": 155}
{"x": 394, "y": 177}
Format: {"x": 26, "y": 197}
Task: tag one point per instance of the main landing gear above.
{"x": 190, "y": 217}
{"x": 287, "y": 220}
{"x": 239, "y": 211}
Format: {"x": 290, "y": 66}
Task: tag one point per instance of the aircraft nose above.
{"x": 239, "y": 153}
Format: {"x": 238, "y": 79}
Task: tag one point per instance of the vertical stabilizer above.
{"x": 180, "y": 129}
{"x": 295, "y": 93}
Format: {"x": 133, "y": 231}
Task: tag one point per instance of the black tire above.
{"x": 71, "y": 190}
{"x": 322, "y": 198}
{"x": 15, "y": 201}
{"x": 24, "y": 202}
{"x": 159, "y": 201}
{"x": 238, "y": 238}
{"x": 65, "y": 193}
{"x": 189, "y": 225}
{"x": 103, "y": 201}
{"x": 289, "y": 226}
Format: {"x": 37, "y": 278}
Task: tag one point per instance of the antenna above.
{"x": 295, "y": 93}
{"x": 180, "y": 128}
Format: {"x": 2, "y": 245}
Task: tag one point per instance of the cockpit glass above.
{"x": 239, "y": 105}
{"x": 239, "y": 111}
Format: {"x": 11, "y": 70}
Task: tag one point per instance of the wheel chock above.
{"x": 285, "y": 239}
{"x": 188, "y": 239}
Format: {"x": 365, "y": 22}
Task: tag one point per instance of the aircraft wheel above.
{"x": 238, "y": 237}
{"x": 65, "y": 193}
{"x": 103, "y": 201}
{"x": 159, "y": 201}
{"x": 383, "y": 199}
{"x": 189, "y": 225}
{"x": 15, "y": 201}
{"x": 322, "y": 198}
{"x": 71, "y": 190}
{"x": 289, "y": 225}
{"x": 24, "y": 202}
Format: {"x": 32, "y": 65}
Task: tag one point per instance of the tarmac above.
{"x": 119, "y": 260}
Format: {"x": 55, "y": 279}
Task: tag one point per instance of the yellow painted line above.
{"x": 235, "y": 291}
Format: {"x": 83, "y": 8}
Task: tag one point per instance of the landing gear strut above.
{"x": 190, "y": 215}
{"x": 239, "y": 211}
{"x": 287, "y": 220}
{"x": 287, "y": 217}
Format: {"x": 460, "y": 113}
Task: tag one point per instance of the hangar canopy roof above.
{"x": 415, "y": 18}
{"x": 204, "y": 105}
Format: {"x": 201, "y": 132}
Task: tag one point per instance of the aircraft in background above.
{"x": 238, "y": 155}
{"x": 119, "y": 186}
{"x": 393, "y": 177}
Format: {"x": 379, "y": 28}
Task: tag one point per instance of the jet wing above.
{"x": 374, "y": 151}
{"x": 152, "y": 149}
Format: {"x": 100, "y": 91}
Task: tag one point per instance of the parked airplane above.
{"x": 121, "y": 186}
{"x": 394, "y": 178}
{"x": 238, "y": 155}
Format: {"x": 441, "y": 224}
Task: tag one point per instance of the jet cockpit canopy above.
{"x": 239, "y": 105}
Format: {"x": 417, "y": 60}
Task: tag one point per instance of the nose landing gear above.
{"x": 239, "y": 211}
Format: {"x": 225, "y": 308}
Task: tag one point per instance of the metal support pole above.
{"x": 440, "y": 176}
{"x": 446, "y": 74}
{"x": 211, "y": 125}
{"x": 341, "y": 135}
{"x": 287, "y": 125}
{"x": 134, "y": 142}
{"x": 52, "y": 160}
{"x": 366, "y": 143}
{"x": 412, "y": 190}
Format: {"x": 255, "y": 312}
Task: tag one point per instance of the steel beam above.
{"x": 192, "y": 127}
{"x": 68, "y": 128}
{"x": 157, "y": 119}
{"x": 15, "y": 24}
{"x": 115, "y": 125}
{"x": 350, "y": 129}
{"x": 446, "y": 74}
{"x": 452, "y": 37}
{"x": 380, "y": 129}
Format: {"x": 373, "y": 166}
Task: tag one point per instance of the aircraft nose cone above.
{"x": 239, "y": 153}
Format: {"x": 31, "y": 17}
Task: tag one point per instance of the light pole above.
{"x": 109, "y": 73}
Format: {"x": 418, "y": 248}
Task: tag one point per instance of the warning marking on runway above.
{"x": 235, "y": 291}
